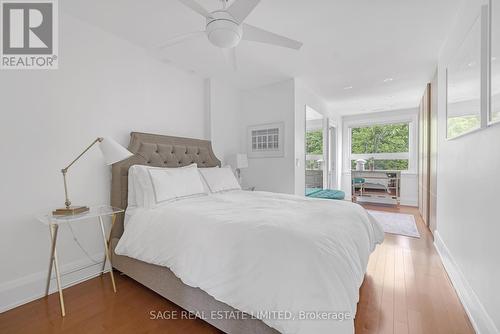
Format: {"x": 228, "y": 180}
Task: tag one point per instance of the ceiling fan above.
{"x": 225, "y": 28}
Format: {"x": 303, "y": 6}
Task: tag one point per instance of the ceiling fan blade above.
{"x": 240, "y": 9}
{"x": 181, "y": 38}
{"x": 251, "y": 33}
{"x": 196, "y": 7}
{"x": 230, "y": 55}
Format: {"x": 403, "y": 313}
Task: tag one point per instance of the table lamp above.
{"x": 112, "y": 153}
{"x": 240, "y": 162}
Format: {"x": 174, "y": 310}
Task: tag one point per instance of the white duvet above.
{"x": 259, "y": 251}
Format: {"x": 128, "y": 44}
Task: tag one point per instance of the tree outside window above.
{"x": 384, "y": 146}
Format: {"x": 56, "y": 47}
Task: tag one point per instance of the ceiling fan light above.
{"x": 224, "y": 33}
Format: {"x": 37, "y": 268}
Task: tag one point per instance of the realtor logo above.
{"x": 29, "y": 34}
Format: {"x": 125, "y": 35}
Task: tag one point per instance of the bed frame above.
{"x": 166, "y": 151}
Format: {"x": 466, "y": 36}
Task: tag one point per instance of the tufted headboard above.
{"x": 158, "y": 151}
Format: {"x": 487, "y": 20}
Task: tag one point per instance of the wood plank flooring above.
{"x": 406, "y": 290}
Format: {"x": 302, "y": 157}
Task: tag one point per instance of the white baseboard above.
{"x": 408, "y": 202}
{"x": 480, "y": 319}
{"x": 31, "y": 287}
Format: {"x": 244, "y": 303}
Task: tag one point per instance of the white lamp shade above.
{"x": 113, "y": 152}
{"x": 241, "y": 160}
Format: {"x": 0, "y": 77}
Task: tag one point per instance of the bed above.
{"x": 246, "y": 252}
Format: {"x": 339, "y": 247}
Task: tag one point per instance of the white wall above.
{"x": 468, "y": 224}
{"x": 409, "y": 179}
{"x": 279, "y": 102}
{"x": 225, "y": 120}
{"x": 269, "y": 104}
{"x": 104, "y": 86}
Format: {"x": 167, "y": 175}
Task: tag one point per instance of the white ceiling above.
{"x": 347, "y": 43}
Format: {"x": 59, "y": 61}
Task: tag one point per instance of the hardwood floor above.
{"x": 406, "y": 290}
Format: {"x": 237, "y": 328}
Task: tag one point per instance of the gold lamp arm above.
{"x": 64, "y": 171}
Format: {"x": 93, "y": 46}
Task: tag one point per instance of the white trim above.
{"x": 485, "y": 65}
{"x": 275, "y": 153}
{"x": 381, "y": 156}
{"x": 31, "y": 287}
{"x": 314, "y": 157}
{"x": 480, "y": 319}
{"x": 405, "y": 202}
{"x": 331, "y": 166}
{"x": 491, "y": 122}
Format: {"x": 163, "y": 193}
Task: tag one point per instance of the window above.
{"x": 462, "y": 124}
{"x": 383, "y": 146}
{"x": 266, "y": 140}
{"x": 463, "y": 75}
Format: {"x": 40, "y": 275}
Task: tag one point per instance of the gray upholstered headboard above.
{"x": 158, "y": 151}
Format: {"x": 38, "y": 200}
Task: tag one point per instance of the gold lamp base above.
{"x": 71, "y": 211}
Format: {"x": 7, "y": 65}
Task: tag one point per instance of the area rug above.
{"x": 396, "y": 223}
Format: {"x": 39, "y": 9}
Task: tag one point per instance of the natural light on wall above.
{"x": 383, "y": 146}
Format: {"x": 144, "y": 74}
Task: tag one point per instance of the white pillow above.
{"x": 220, "y": 179}
{"x": 205, "y": 184}
{"x": 152, "y": 186}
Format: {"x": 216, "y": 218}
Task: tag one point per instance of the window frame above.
{"x": 266, "y": 153}
{"x": 489, "y": 70}
{"x": 409, "y": 116}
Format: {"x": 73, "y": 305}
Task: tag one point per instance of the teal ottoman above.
{"x": 325, "y": 193}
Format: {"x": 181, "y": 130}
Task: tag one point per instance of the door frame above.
{"x": 324, "y": 124}
{"x": 330, "y": 154}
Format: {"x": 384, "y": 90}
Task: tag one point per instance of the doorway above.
{"x": 315, "y": 142}
{"x": 332, "y": 154}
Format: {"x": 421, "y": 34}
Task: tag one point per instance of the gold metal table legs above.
{"x": 113, "y": 219}
{"x": 106, "y": 251}
{"x": 54, "y": 263}
{"x": 53, "y": 260}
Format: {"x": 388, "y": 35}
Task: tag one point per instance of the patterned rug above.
{"x": 396, "y": 223}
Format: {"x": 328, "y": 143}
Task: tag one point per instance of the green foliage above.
{"x": 313, "y": 165}
{"x": 314, "y": 142}
{"x": 462, "y": 124}
{"x": 396, "y": 164}
{"x": 495, "y": 116}
{"x": 386, "y": 138}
